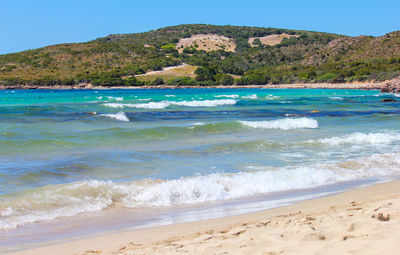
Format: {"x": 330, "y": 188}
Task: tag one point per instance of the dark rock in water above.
{"x": 385, "y": 90}
{"x": 389, "y": 100}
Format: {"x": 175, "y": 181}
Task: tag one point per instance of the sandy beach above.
{"x": 361, "y": 221}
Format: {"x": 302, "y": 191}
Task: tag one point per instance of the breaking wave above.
{"x": 118, "y": 116}
{"x": 254, "y": 96}
{"x": 53, "y": 201}
{"x": 115, "y": 98}
{"x": 284, "y": 124}
{"x": 228, "y": 96}
{"x": 165, "y": 104}
{"x": 360, "y": 138}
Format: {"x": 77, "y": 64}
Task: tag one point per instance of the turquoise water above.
{"x": 65, "y": 153}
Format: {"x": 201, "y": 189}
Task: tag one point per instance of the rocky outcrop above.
{"x": 392, "y": 86}
{"x": 389, "y": 100}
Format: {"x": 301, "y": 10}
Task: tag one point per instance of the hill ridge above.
{"x": 114, "y": 60}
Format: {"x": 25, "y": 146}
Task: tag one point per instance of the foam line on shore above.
{"x": 53, "y": 201}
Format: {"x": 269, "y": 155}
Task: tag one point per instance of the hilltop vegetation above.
{"x": 222, "y": 55}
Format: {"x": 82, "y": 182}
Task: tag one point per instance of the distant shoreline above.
{"x": 363, "y": 86}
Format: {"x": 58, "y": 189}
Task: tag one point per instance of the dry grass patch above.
{"x": 169, "y": 73}
{"x": 207, "y": 42}
{"x": 270, "y": 39}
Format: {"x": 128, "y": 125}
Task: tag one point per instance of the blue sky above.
{"x": 28, "y": 24}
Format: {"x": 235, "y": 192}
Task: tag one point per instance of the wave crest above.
{"x": 165, "y": 104}
{"x": 53, "y": 201}
{"x": 359, "y": 138}
{"x": 284, "y": 124}
{"x": 118, "y": 116}
{"x": 228, "y": 96}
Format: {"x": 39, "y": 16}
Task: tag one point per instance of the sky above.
{"x": 30, "y": 24}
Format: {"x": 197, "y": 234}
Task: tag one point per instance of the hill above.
{"x": 215, "y": 54}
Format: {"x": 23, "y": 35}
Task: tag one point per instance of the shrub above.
{"x": 206, "y": 73}
{"x": 224, "y": 79}
{"x": 157, "y": 81}
{"x": 168, "y": 48}
{"x": 257, "y": 42}
{"x": 132, "y": 81}
{"x": 182, "y": 81}
{"x": 189, "y": 50}
{"x": 253, "y": 79}
{"x": 108, "y": 82}
{"x": 12, "y": 81}
{"x": 328, "y": 77}
{"x": 68, "y": 81}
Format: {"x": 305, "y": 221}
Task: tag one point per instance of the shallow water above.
{"x": 66, "y": 153}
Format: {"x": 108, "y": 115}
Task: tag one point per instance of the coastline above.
{"x": 364, "y": 86}
{"x": 363, "y": 221}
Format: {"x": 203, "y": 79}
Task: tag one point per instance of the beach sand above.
{"x": 362, "y": 221}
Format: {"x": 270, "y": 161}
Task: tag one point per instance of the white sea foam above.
{"x": 118, "y": 116}
{"x": 360, "y": 138}
{"x": 53, "y": 201}
{"x": 164, "y": 104}
{"x": 196, "y": 124}
{"x": 387, "y": 94}
{"x": 206, "y": 103}
{"x": 271, "y": 97}
{"x": 170, "y": 96}
{"x": 116, "y": 98}
{"x": 114, "y": 105}
{"x": 150, "y": 105}
{"x": 228, "y": 96}
{"x": 336, "y": 98}
{"x": 254, "y": 96}
{"x": 284, "y": 124}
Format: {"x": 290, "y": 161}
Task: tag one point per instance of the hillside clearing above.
{"x": 169, "y": 73}
{"x": 207, "y": 42}
{"x": 270, "y": 39}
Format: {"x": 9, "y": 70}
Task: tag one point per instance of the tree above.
{"x": 168, "y": 48}
{"x": 182, "y": 81}
{"x": 206, "y": 73}
{"x": 253, "y": 79}
{"x": 189, "y": 50}
{"x": 158, "y": 81}
{"x": 257, "y": 42}
{"x": 224, "y": 79}
{"x": 132, "y": 81}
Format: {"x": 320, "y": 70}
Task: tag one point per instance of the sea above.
{"x": 84, "y": 162}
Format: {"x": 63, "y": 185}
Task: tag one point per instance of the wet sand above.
{"x": 361, "y": 221}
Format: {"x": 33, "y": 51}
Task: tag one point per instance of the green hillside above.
{"x": 300, "y": 56}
